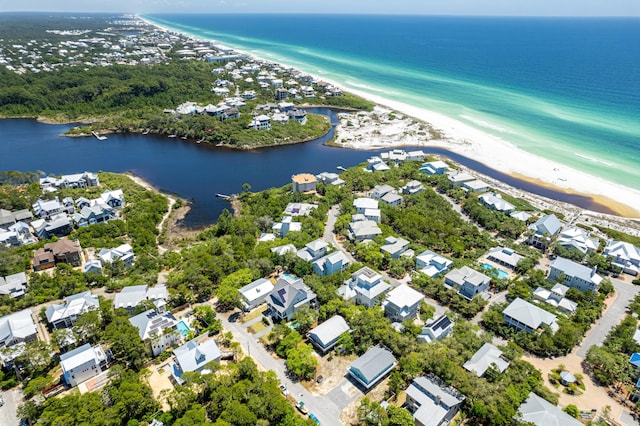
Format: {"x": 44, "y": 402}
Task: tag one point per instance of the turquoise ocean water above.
{"x": 567, "y": 89}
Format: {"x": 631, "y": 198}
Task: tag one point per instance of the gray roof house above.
{"x": 392, "y": 199}
{"x": 543, "y": 229}
{"x": 66, "y": 314}
{"x": 157, "y": 331}
{"x": 8, "y": 218}
{"x": 431, "y": 402}
{"x": 372, "y": 366}
{"x": 412, "y": 187}
{"x": 575, "y": 275}
{"x": 432, "y": 264}
{"x": 540, "y": 412}
{"x": 46, "y": 208}
{"x": 313, "y": 250}
{"x": 436, "y": 330}
{"x": 469, "y": 282}
{"x": 625, "y": 255}
{"x": 331, "y": 263}
{"x": 123, "y": 252}
{"x": 255, "y": 293}
{"x": 364, "y": 230}
{"x": 325, "y": 336}
{"x": 288, "y": 296}
{"x": 366, "y": 286}
{"x": 396, "y": 247}
{"x": 83, "y": 363}
{"x": 504, "y": 256}
{"x": 13, "y": 285}
{"x": 18, "y": 327}
{"x": 132, "y": 296}
{"x": 495, "y": 202}
{"x": 556, "y": 297}
{"x": 380, "y": 190}
{"x": 194, "y": 356}
{"x": 522, "y": 315}
{"x": 486, "y": 356}
{"x": 402, "y": 303}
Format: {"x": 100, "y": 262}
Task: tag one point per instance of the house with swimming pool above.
{"x": 504, "y": 256}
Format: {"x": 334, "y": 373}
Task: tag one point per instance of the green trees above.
{"x": 125, "y": 343}
{"x": 301, "y": 361}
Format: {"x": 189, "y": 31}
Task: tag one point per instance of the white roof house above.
{"x": 255, "y": 293}
{"x": 578, "y": 238}
{"x": 544, "y": 228}
{"x": 331, "y": 263}
{"x": 624, "y": 255}
{"x": 282, "y": 250}
{"x": 130, "y": 297}
{"x": 364, "y": 230}
{"x": 65, "y": 314}
{"x": 486, "y": 356}
{"x": 123, "y": 252}
{"x": 525, "y": 316}
{"x": 13, "y": 285}
{"x": 457, "y": 178}
{"x": 556, "y": 297}
{"x": 412, "y": 187}
{"x": 83, "y": 363}
{"x": 435, "y": 168}
{"x": 504, "y": 256}
{"x": 469, "y": 282}
{"x": 287, "y": 225}
{"x": 194, "y": 356}
{"x": 381, "y": 190}
{"x": 313, "y": 250}
{"x": 299, "y": 209}
{"x": 326, "y": 335}
{"x": 432, "y": 264}
{"x": 540, "y": 412}
{"x": 475, "y": 185}
{"x": 152, "y": 329}
{"x": 494, "y": 201}
{"x": 16, "y": 328}
{"x": 575, "y": 275}
{"x": 402, "y": 303}
{"x": 361, "y": 204}
{"x": 366, "y": 286}
{"x": 396, "y": 247}
{"x": 437, "y": 329}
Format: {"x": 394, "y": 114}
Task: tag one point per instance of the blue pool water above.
{"x": 501, "y": 273}
{"x": 183, "y": 328}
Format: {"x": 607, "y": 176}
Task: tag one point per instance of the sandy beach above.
{"x": 469, "y": 142}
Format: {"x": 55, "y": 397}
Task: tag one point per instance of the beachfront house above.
{"x": 475, "y": 185}
{"x": 82, "y": 364}
{"x": 14, "y": 285}
{"x": 574, "y": 237}
{"x": 304, "y": 182}
{"x": 544, "y": 229}
{"x": 624, "y": 255}
{"x": 65, "y": 314}
{"x": 130, "y": 297}
{"x": 365, "y": 286}
{"x": 396, "y": 247}
{"x": 331, "y": 263}
{"x": 260, "y": 122}
{"x": 432, "y": 264}
{"x": 431, "y": 402}
{"x": 495, "y": 202}
{"x": 313, "y": 251}
{"x": 457, "y": 178}
{"x": 485, "y": 357}
{"x": 435, "y": 168}
{"x": 436, "y": 329}
{"x": 157, "y": 330}
{"x": 298, "y": 114}
{"x": 467, "y": 281}
{"x": 402, "y": 303}
{"x": 504, "y": 256}
{"x": 375, "y": 164}
{"x": 556, "y": 297}
{"x": 575, "y": 275}
{"x": 539, "y": 412}
{"x": 522, "y": 315}
{"x": 325, "y": 336}
{"x": 288, "y": 296}
{"x": 255, "y": 293}
{"x": 372, "y": 366}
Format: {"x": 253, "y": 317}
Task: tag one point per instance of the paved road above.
{"x": 323, "y": 407}
{"x": 12, "y": 398}
{"x": 625, "y": 293}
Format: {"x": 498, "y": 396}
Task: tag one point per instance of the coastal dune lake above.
{"x": 197, "y": 171}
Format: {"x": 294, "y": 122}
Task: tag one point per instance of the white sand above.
{"x": 472, "y": 143}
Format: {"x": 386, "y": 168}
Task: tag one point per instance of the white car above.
{"x": 284, "y": 390}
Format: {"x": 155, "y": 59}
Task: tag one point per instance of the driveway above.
{"x": 12, "y": 398}
{"x": 625, "y": 293}
{"x": 324, "y": 407}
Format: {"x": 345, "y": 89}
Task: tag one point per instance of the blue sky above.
{"x": 438, "y": 7}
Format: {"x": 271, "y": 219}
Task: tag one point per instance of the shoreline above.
{"x": 487, "y": 149}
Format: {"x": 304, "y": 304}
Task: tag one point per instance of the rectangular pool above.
{"x": 500, "y": 272}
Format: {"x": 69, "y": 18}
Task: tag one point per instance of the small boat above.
{"x": 341, "y": 168}
{"x": 97, "y": 136}
{"x": 146, "y": 132}
{"x": 184, "y": 138}
{"x": 173, "y": 136}
{"x": 223, "y": 196}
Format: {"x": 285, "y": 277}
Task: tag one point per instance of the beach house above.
{"x": 331, "y": 263}
{"x": 363, "y": 204}
{"x": 14, "y": 285}
{"x": 287, "y": 225}
{"x": 485, "y": 357}
{"x": 299, "y": 209}
{"x": 556, "y": 297}
{"x": 495, "y": 202}
{"x": 65, "y": 314}
{"x": 575, "y": 275}
{"x": 18, "y": 327}
{"x": 522, "y": 315}
{"x": 287, "y": 297}
{"x": 313, "y": 251}
{"x": 8, "y": 218}
{"x": 82, "y": 363}
{"x": 467, "y": 281}
{"x": 366, "y": 286}
{"x": 624, "y": 255}
{"x": 574, "y": 237}
{"x": 431, "y": 402}
{"x": 412, "y": 187}
{"x": 432, "y": 264}
{"x": 544, "y": 229}
{"x": 64, "y": 250}
{"x": 372, "y": 366}
{"x": 436, "y": 329}
{"x": 194, "y": 357}
{"x": 402, "y": 303}
{"x": 157, "y": 330}
{"x": 329, "y": 178}
{"x": 260, "y": 122}
{"x": 304, "y": 182}
{"x": 539, "y": 412}
{"x": 364, "y": 230}
{"x": 325, "y": 336}
{"x": 396, "y": 247}
{"x": 457, "y": 178}
{"x": 435, "y": 168}
{"x": 123, "y": 252}
{"x": 504, "y": 256}
{"x": 130, "y": 297}
{"x": 255, "y": 293}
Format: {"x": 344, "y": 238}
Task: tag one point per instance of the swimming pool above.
{"x": 183, "y": 328}
{"x": 500, "y": 272}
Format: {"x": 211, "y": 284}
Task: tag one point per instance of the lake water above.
{"x": 196, "y": 171}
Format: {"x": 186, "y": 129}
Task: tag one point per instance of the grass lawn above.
{"x": 257, "y": 312}
{"x": 257, "y": 327}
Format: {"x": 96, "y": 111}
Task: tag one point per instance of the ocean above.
{"x": 566, "y": 89}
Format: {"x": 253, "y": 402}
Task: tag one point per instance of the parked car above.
{"x": 319, "y": 379}
{"x": 314, "y": 418}
{"x": 284, "y": 390}
{"x": 300, "y": 406}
